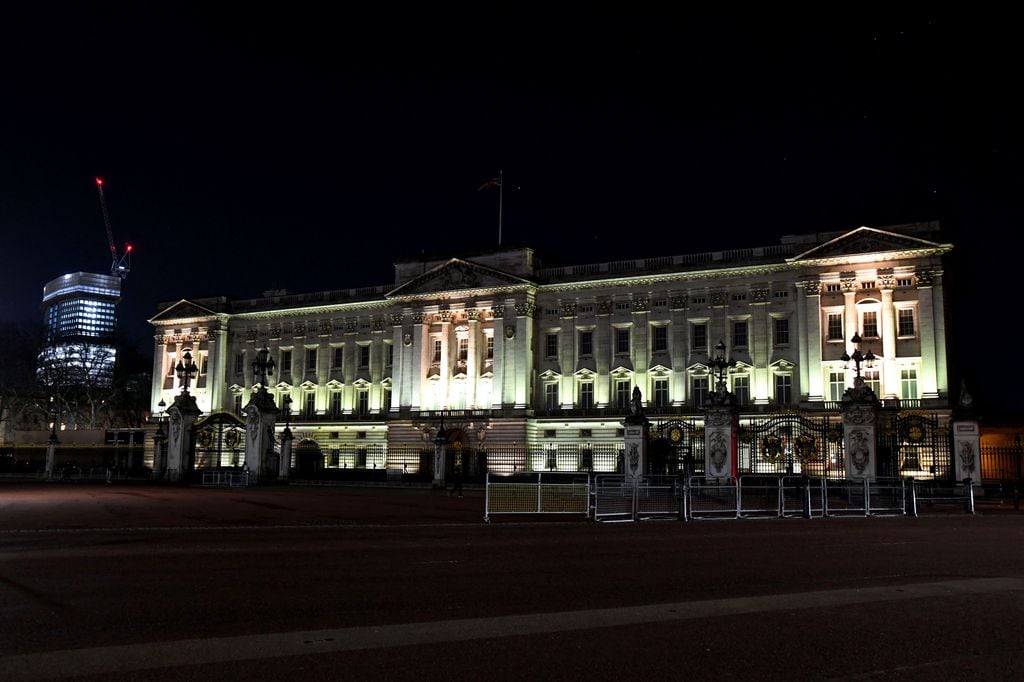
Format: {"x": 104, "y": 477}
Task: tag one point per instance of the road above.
{"x": 144, "y": 583}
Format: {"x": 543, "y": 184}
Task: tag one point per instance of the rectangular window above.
{"x": 586, "y": 343}
{"x": 905, "y": 322}
{"x": 311, "y": 359}
{"x": 835, "y": 327}
{"x": 661, "y": 392}
{"x": 781, "y": 331}
{"x": 551, "y": 396}
{"x": 870, "y": 324}
{"x": 872, "y": 378}
{"x": 364, "y": 357}
{"x": 335, "y": 404}
{"x": 309, "y": 405}
{"x": 783, "y": 389}
{"x": 463, "y": 349}
{"x": 170, "y": 365}
{"x": 437, "y": 351}
{"x": 490, "y": 347}
{"x": 239, "y": 364}
{"x": 238, "y": 403}
{"x": 390, "y": 355}
{"x": 387, "y": 400}
{"x": 622, "y": 341}
{"x": 363, "y": 402}
{"x": 659, "y": 342}
{"x": 741, "y": 388}
{"x": 551, "y": 346}
{"x": 587, "y": 395}
{"x": 700, "y": 391}
{"x": 622, "y": 393}
{"x": 836, "y": 385}
{"x": 908, "y": 384}
{"x": 338, "y": 358}
{"x": 739, "y": 334}
{"x": 699, "y": 337}
{"x": 286, "y": 363}
{"x": 204, "y": 361}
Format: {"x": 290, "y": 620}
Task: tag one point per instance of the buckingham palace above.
{"x": 506, "y": 355}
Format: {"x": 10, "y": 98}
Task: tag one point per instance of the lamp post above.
{"x": 719, "y": 365}
{"x": 160, "y": 438}
{"x": 284, "y": 465}
{"x": 186, "y": 369}
{"x": 262, "y": 367}
{"x": 858, "y": 359}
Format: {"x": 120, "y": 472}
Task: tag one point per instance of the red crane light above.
{"x": 99, "y": 181}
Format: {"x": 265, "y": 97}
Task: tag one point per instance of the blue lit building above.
{"x": 80, "y": 315}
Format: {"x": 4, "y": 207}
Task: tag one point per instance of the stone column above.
{"x": 160, "y": 450}
{"x": 810, "y": 356}
{"x": 399, "y": 366}
{"x": 848, "y": 281}
{"x": 636, "y": 424}
{"x": 928, "y": 380}
{"x": 498, "y": 383}
{"x": 182, "y": 414}
{"x": 567, "y": 350}
{"x": 721, "y": 427}
{"x": 261, "y": 416}
{"x": 887, "y": 320}
{"x": 420, "y": 361}
{"x": 640, "y": 346}
{"x": 285, "y": 463}
{"x": 446, "y": 359}
{"x": 524, "y": 353}
{"x": 473, "y": 358}
{"x": 860, "y": 429}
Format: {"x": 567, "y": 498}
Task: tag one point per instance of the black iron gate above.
{"x": 916, "y": 445}
{"x": 792, "y": 443}
{"x": 676, "y": 447}
{"x": 219, "y": 441}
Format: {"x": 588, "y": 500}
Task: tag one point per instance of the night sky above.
{"x": 250, "y": 150}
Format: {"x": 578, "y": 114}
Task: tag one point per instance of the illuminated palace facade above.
{"x": 509, "y": 352}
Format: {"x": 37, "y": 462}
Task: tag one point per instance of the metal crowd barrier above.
{"x": 931, "y": 492}
{"x": 537, "y": 493}
{"x": 711, "y": 498}
{"x": 230, "y": 479}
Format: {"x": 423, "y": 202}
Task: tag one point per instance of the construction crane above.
{"x": 118, "y": 266}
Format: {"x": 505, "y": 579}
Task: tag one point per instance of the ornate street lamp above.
{"x": 286, "y": 405}
{"x": 186, "y": 369}
{"x": 719, "y": 365}
{"x": 858, "y": 359}
{"x": 262, "y": 367}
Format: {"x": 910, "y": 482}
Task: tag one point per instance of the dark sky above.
{"x": 253, "y": 149}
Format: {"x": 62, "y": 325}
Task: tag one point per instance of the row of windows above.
{"x": 869, "y": 324}
{"x": 659, "y": 338}
{"x": 307, "y": 409}
{"x": 312, "y": 355}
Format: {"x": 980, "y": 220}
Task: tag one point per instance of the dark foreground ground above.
{"x": 129, "y": 582}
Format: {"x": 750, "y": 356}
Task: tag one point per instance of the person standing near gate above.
{"x": 456, "y": 480}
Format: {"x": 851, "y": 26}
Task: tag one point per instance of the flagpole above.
{"x": 501, "y": 189}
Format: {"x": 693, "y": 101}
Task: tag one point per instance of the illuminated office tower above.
{"x": 80, "y": 315}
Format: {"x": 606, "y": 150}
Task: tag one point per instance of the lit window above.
{"x": 699, "y": 337}
{"x": 835, "y": 326}
{"x": 587, "y": 395}
{"x": 309, "y": 405}
{"x": 783, "y": 389}
{"x": 551, "y": 346}
{"x": 437, "y": 351}
{"x": 739, "y": 334}
{"x": 781, "y": 331}
{"x": 335, "y": 404}
{"x": 659, "y": 342}
{"x": 661, "y": 392}
{"x": 463, "y": 349}
{"x": 551, "y": 396}
{"x": 622, "y": 393}
{"x": 870, "y": 324}
{"x": 906, "y": 322}
{"x": 490, "y": 347}
{"x": 363, "y": 402}
{"x": 908, "y": 384}
{"x": 699, "y": 391}
{"x": 622, "y": 341}
{"x": 872, "y": 379}
{"x": 586, "y": 343}
{"x": 741, "y": 388}
{"x": 836, "y": 385}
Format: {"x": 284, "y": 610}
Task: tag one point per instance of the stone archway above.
{"x": 309, "y": 460}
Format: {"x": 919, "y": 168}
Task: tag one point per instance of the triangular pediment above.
{"x": 869, "y": 241}
{"x": 457, "y": 275}
{"x": 182, "y": 310}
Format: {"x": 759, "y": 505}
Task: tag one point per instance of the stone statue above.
{"x": 638, "y": 408}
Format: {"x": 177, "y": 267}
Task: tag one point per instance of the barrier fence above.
{"x": 613, "y": 497}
